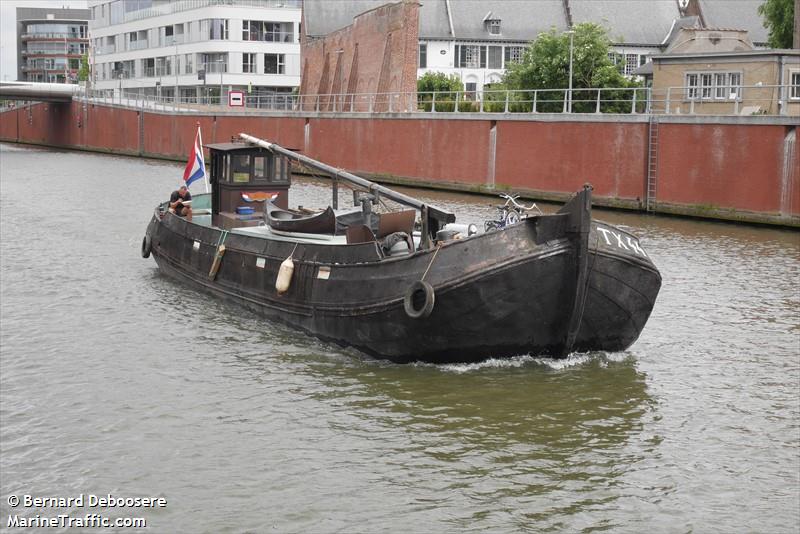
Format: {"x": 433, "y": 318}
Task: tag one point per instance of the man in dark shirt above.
{"x": 179, "y": 203}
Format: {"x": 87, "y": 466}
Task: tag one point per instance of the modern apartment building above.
{"x": 50, "y": 43}
{"x": 195, "y": 48}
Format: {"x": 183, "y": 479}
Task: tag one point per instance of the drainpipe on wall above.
{"x": 781, "y": 88}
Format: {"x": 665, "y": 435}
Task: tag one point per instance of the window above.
{"x": 260, "y": 169}
{"x": 706, "y": 86}
{"x": 240, "y": 168}
{"x": 691, "y": 86}
{"x": 471, "y": 56}
{"x": 631, "y": 63}
{"x": 275, "y": 32}
{"x": 214, "y": 62}
{"x": 794, "y": 85}
{"x": 188, "y": 62}
{"x": 713, "y": 85}
{"x": 217, "y": 29}
{"x": 735, "y": 83}
{"x": 423, "y": 56}
{"x": 248, "y": 62}
{"x": 274, "y": 64}
{"x": 514, "y": 54}
{"x": 471, "y": 88}
{"x": 720, "y": 87}
{"x": 493, "y": 25}
{"x": 495, "y": 57}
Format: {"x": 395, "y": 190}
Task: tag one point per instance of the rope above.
{"x": 222, "y": 237}
{"x": 438, "y": 247}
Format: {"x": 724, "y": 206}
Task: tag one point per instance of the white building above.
{"x": 477, "y": 39}
{"x": 164, "y": 47}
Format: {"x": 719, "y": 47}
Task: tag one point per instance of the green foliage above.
{"x": 447, "y": 89}
{"x": 439, "y": 81}
{"x": 779, "y": 20}
{"x": 83, "y": 72}
{"x": 545, "y": 65}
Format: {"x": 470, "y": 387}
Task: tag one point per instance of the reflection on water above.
{"x": 117, "y": 379}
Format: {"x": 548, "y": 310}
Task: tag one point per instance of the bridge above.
{"x": 41, "y": 92}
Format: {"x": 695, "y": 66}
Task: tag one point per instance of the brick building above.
{"x": 377, "y": 53}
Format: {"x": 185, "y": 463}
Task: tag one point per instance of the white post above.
{"x": 571, "y": 33}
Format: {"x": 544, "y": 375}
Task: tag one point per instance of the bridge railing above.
{"x": 741, "y": 100}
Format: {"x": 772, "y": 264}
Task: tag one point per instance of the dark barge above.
{"x": 408, "y": 285}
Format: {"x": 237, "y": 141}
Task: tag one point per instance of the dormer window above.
{"x": 493, "y": 25}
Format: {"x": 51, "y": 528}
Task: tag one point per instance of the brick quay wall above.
{"x": 734, "y": 168}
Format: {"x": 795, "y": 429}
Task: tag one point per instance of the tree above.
{"x": 446, "y": 89}
{"x": 83, "y": 72}
{"x": 779, "y": 20}
{"x": 545, "y": 65}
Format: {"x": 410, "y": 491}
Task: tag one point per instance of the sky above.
{"x": 8, "y": 30}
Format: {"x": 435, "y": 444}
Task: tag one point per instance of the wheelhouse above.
{"x": 244, "y": 178}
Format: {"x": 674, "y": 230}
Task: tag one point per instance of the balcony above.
{"x": 51, "y": 36}
{"x": 215, "y": 67}
{"x": 272, "y": 37}
{"x": 105, "y": 49}
{"x": 137, "y": 45}
{"x": 187, "y": 5}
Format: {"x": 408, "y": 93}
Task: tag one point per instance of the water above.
{"x": 115, "y": 379}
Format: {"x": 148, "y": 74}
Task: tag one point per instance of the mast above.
{"x": 435, "y": 219}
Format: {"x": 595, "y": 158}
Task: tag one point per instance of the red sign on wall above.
{"x": 236, "y": 99}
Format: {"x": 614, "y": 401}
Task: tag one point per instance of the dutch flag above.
{"x": 196, "y": 166}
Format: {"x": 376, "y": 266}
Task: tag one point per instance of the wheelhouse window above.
{"x": 240, "y": 168}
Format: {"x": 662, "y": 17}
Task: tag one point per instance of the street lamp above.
{"x": 220, "y": 60}
{"x": 568, "y": 106}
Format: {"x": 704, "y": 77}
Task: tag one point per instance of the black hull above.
{"x": 500, "y": 294}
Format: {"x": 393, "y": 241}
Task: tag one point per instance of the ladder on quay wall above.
{"x": 652, "y": 165}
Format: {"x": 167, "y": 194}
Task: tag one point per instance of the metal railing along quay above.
{"x": 745, "y": 100}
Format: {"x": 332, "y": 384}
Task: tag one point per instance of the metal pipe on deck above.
{"x": 434, "y": 212}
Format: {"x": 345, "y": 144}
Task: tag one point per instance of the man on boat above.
{"x": 179, "y": 203}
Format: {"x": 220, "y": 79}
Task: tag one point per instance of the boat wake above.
{"x": 576, "y": 359}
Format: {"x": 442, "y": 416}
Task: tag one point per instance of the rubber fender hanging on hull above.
{"x": 284, "y": 279}
{"x": 419, "y": 300}
{"x": 212, "y": 273}
{"x": 147, "y": 245}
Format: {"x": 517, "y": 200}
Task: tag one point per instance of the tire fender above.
{"x": 147, "y": 245}
{"x": 420, "y": 286}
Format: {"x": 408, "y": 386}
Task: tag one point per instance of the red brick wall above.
{"x": 726, "y": 166}
{"x": 716, "y": 170}
{"x": 375, "y": 54}
{"x": 547, "y": 156}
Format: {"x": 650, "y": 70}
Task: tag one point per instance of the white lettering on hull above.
{"x": 632, "y": 243}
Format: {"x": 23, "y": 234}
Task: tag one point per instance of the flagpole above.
{"x": 205, "y": 168}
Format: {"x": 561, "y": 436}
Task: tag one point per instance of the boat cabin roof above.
{"x": 230, "y": 147}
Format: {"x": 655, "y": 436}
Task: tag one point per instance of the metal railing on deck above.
{"x": 745, "y": 100}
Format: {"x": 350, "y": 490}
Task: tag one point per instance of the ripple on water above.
{"x": 111, "y": 383}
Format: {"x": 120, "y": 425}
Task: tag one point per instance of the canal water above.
{"x": 116, "y": 380}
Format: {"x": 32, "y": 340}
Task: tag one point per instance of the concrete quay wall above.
{"x": 735, "y": 168}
